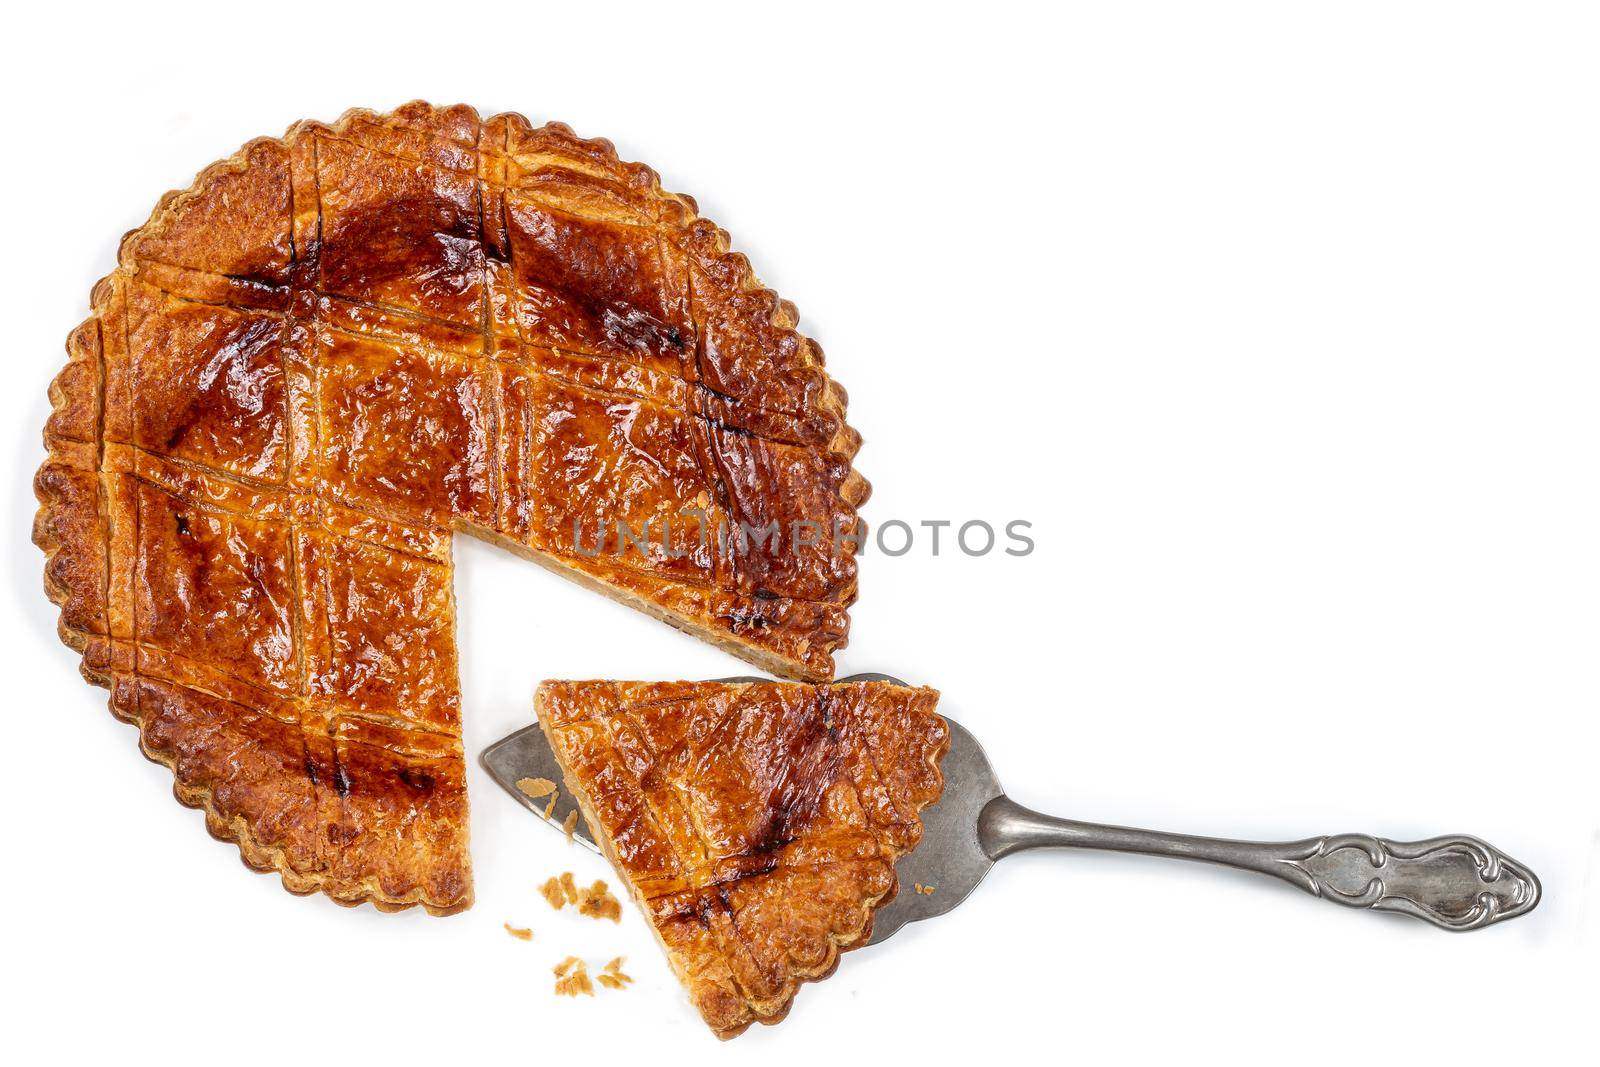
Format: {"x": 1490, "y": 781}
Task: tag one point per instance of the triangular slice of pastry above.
{"x": 757, "y": 824}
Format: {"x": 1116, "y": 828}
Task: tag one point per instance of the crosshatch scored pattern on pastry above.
{"x": 336, "y": 349}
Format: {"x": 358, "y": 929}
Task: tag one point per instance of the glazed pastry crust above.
{"x": 756, "y": 824}
{"x": 339, "y": 347}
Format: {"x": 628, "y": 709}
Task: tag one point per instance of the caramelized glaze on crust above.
{"x": 340, "y": 346}
{"x": 757, "y": 824}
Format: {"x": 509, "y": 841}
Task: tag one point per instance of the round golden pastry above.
{"x": 342, "y": 346}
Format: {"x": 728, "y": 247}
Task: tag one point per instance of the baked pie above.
{"x": 340, "y": 347}
{"x": 756, "y": 824}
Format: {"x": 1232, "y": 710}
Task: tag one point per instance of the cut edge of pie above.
{"x": 72, "y": 527}
{"x": 742, "y": 954}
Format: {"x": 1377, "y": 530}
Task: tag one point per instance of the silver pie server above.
{"x": 1455, "y": 882}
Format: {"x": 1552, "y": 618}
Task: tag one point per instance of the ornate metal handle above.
{"x": 1455, "y": 882}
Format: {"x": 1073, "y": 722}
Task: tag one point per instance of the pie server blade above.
{"x": 1455, "y": 882}
{"x": 527, "y": 754}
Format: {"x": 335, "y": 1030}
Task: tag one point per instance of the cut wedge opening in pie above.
{"x": 756, "y": 824}
{"x": 338, "y": 348}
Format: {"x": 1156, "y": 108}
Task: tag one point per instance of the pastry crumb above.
{"x": 595, "y": 901}
{"x": 576, "y": 984}
{"x": 521, "y": 933}
{"x": 572, "y": 978}
{"x": 550, "y": 808}
{"x": 922, "y": 890}
{"x": 571, "y": 824}
{"x": 536, "y": 787}
{"x": 598, "y": 903}
{"x": 612, "y": 977}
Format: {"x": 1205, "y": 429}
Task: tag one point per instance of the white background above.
{"x": 1278, "y": 321}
